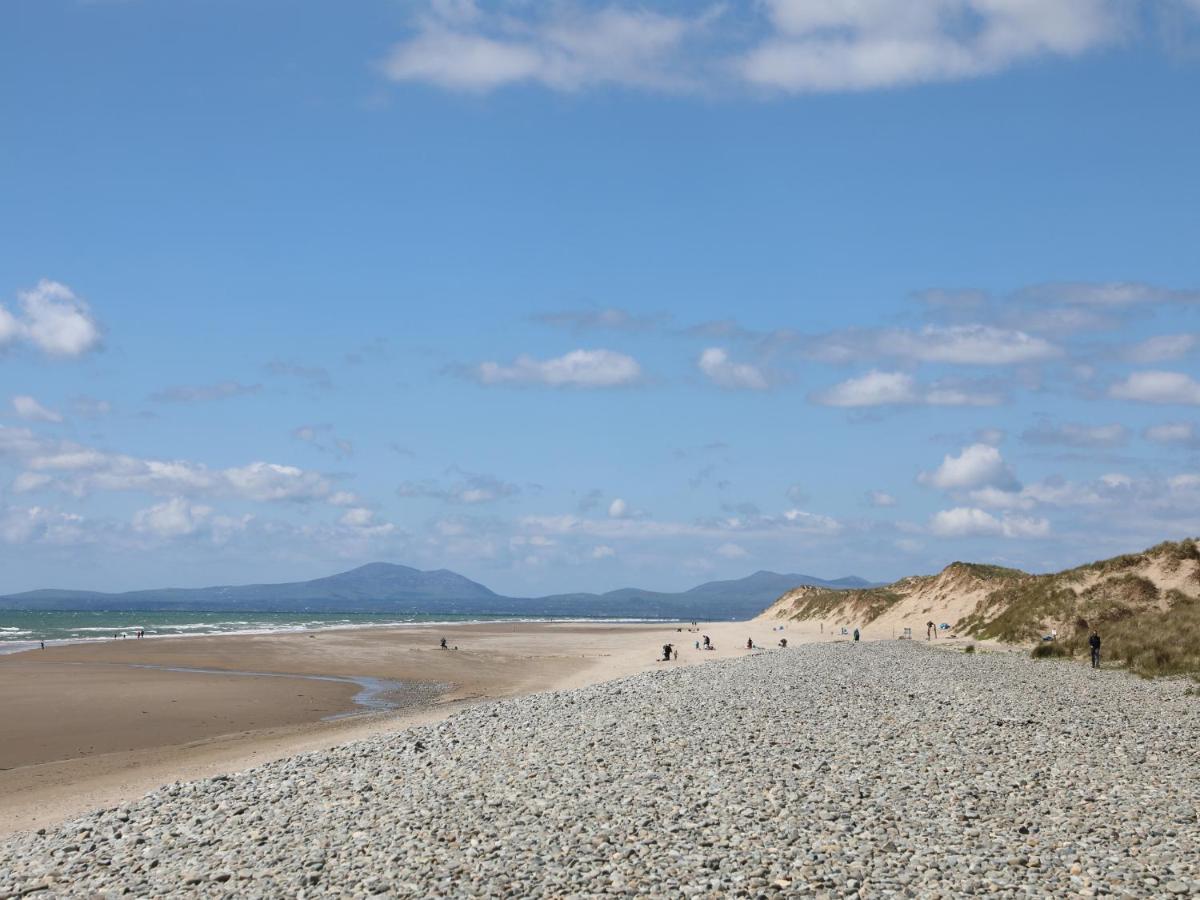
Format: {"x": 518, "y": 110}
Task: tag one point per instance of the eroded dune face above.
{"x": 1007, "y": 604}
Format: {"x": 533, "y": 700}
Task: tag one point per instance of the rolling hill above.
{"x": 389, "y": 588}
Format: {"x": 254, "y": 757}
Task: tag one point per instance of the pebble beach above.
{"x": 873, "y": 770}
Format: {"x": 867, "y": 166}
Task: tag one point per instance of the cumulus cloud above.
{"x": 364, "y": 522}
{"x": 173, "y": 518}
{"x": 880, "y": 499}
{"x": 1158, "y": 387}
{"x": 38, "y": 524}
{"x": 876, "y": 388}
{"x": 618, "y": 509}
{"x": 730, "y": 550}
{"x": 200, "y": 393}
{"x": 1071, "y": 434}
{"x": 979, "y": 465}
{"x": 29, "y": 409}
{"x": 724, "y": 372}
{"x": 577, "y": 369}
{"x": 603, "y": 551}
{"x": 79, "y": 470}
{"x": 52, "y": 319}
{"x": 963, "y": 521}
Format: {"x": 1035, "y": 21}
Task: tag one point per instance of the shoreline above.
{"x": 8, "y": 648}
{"x": 98, "y": 723}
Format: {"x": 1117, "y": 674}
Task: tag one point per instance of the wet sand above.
{"x": 92, "y": 725}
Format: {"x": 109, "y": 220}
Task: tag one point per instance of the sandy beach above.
{"x": 92, "y": 725}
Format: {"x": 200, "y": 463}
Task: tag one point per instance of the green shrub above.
{"x": 1050, "y": 650}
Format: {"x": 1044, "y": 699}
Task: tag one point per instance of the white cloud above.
{"x": 1106, "y": 295}
{"x": 173, "y": 518}
{"x": 1180, "y": 433}
{"x": 730, "y": 550}
{"x": 618, "y": 509}
{"x": 876, "y": 388}
{"x": 724, "y": 372}
{"x": 965, "y": 521}
{"x": 880, "y": 499}
{"x": 603, "y": 551}
{"x": 52, "y": 319}
{"x": 1157, "y": 387}
{"x": 872, "y": 389}
{"x": 1071, "y": 434}
{"x": 1162, "y": 348}
{"x": 28, "y": 408}
{"x": 579, "y": 369}
{"x": 37, "y": 524}
{"x": 787, "y": 45}
{"x": 828, "y": 45}
{"x": 562, "y": 46}
{"x": 965, "y": 345}
{"x": 979, "y": 465}
{"x": 79, "y": 470}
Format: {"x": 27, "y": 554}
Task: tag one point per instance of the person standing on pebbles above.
{"x": 1094, "y": 643}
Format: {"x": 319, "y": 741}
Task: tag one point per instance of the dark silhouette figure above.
{"x": 666, "y": 653}
{"x": 444, "y": 647}
{"x": 1094, "y": 643}
{"x": 707, "y": 642}
{"x": 783, "y": 642}
{"x": 929, "y": 631}
{"x": 855, "y": 634}
{"x": 749, "y": 643}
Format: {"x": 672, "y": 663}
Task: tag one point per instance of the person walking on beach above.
{"x": 929, "y": 631}
{"x": 856, "y": 635}
{"x": 444, "y": 647}
{"x": 1094, "y": 643}
{"x": 666, "y": 653}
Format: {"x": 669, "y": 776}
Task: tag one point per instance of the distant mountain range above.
{"x": 388, "y": 588}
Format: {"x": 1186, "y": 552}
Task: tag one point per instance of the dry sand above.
{"x": 85, "y": 727}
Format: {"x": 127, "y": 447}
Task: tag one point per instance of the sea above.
{"x": 26, "y": 630}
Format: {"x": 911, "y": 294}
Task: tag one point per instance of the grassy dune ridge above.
{"x": 1146, "y": 606}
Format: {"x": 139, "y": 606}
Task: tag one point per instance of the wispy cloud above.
{"x": 1071, "y": 434}
{"x": 792, "y": 46}
{"x": 606, "y": 319}
{"x": 28, "y": 408}
{"x": 323, "y": 438}
{"x": 577, "y": 369}
{"x": 201, "y": 393}
{"x": 470, "y": 489}
{"x": 315, "y": 376}
{"x": 876, "y": 388}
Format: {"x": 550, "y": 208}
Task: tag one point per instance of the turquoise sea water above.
{"x": 23, "y": 630}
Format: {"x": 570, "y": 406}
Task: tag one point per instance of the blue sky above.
{"x": 585, "y": 294}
